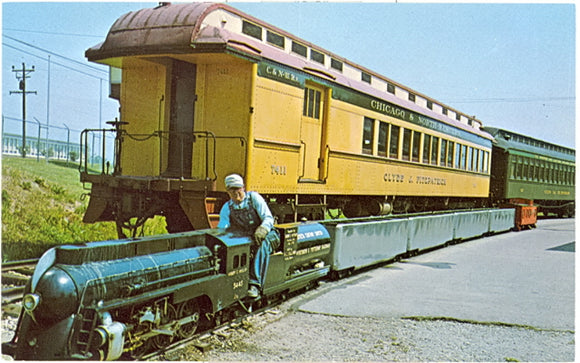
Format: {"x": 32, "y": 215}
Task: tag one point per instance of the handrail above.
{"x": 210, "y": 172}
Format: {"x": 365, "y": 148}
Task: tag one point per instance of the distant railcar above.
{"x": 536, "y": 171}
{"x": 207, "y": 90}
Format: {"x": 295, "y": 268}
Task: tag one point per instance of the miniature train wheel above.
{"x": 188, "y": 309}
{"x": 163, "y": 340}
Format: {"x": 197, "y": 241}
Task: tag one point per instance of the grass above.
{"x": 42, "y": 207}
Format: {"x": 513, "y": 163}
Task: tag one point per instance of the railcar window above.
{"x": 411, "y": 97}
{"x": 316, "y": 56}
{"x": 458, "y": 117}
{"x": 368, "y": 132}
{"x": 252, "y": 30}
{"x": 430, "y": 105}
{"x": 519, "y": 168}
{"x": 365, "y": 77}
{"x": 480, "y": 161}
{"x": 391, "y": 88}
{"x": 275, "y": 39}
{"x": 457, "y": 156}
{"x": 444, "y": 111}
{"x": 394, "y": 142}
{"x": 382, "y": 141}
{"x": 299, "y": 49}
{"x": 236, "y": 261}
{"x": 407, "y": 134}
{"x": 311, "y": 103}
{"x": 244, "y": 260}
{"x": 526, "y": 170}
{"x": 426, "y": 148}
{"x": 450, "y": 154}
{"x": 416, "y": 146}
{"x": 443, "y": 155}
{"x": 434, "y": 150}
{"x": 463, "y": 157}
{"x": 336, "y": 64}
{"x": 486, "y": 162}
{"x": 469, "y": 159}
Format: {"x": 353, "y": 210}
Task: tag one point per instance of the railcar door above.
{"x": 182, "y": 111}
{"x": 312, "y": 132}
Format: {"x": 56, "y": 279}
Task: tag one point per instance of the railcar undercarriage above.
{"x": 191, "y": 204}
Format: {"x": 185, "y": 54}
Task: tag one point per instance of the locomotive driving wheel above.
{"x": 188, "y": 309}
{"x": 168, "y": 315}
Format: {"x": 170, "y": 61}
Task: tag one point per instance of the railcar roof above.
{"x": 187, "y": 29}
{"x": 509, "y": 140}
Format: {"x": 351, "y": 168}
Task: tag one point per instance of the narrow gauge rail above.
{"x": 15, "y": 275}
{"x": 104, "y": 300}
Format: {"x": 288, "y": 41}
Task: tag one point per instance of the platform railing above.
{"x": 208, "y": 150}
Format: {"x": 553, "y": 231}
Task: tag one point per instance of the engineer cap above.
{"x": 234, "y": 181}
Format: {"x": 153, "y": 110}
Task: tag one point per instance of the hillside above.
{"x": 42, "y": 207}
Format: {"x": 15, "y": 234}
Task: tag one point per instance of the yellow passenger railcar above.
{"x": 207, "y": 90}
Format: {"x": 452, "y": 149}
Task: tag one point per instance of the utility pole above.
{"x": 22, "y": 75}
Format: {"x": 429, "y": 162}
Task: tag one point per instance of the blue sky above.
{"x": 510, "y": 65}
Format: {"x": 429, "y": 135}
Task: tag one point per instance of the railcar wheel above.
{"x": 140, "y": 350}
{"x": 186, "y": 309}
{"x": 161, "y": 341}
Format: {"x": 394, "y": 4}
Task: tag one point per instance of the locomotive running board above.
{"x": 298, "y": 281}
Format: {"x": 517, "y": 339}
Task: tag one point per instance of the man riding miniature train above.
{"x": 248, "y": 213}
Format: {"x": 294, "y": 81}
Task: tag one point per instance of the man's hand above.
{"x": 260, "y": 234}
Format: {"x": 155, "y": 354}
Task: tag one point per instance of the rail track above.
{"x": 15, "y": 275}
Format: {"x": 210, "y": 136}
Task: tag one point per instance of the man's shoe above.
{"x": 253, "y": 291}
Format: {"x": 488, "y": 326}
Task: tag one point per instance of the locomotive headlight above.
{"x": 30, "y": 302}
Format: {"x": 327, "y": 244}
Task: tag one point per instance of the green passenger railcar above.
{"x": 531, "y": 169}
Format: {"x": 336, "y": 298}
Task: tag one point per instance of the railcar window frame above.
{"x": 312, "y": 102}
{"x": 416, "y": 146}
{"x": 434, "y": 157}
{"x": 463, "y": 165}
{"x": 336, "y": 64}
{"x": 443, "y": 154}
{"x": 394, "y": 136}
{"x": 275, "y": 39}
{"x": 450, "y": 153}
{"x": 365, "y": 77}
{"x": 382, "y": 141}
{"x": 407, "y": 137}
{"x": 299, "y": 49}
{"x": 252, "y": 30}
{"x": 426, "y": 148}
{"x": 317, "y": 56}
{"x": 368, "y": 136}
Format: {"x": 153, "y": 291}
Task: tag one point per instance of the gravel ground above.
{"x": 285, "y": 333}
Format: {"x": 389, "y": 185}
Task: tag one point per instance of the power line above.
{"x": 54, "y": 33}
{"x": 514, "y": 100}
{"x": 53, "y": 53}
{"x": 53, "y": 62}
